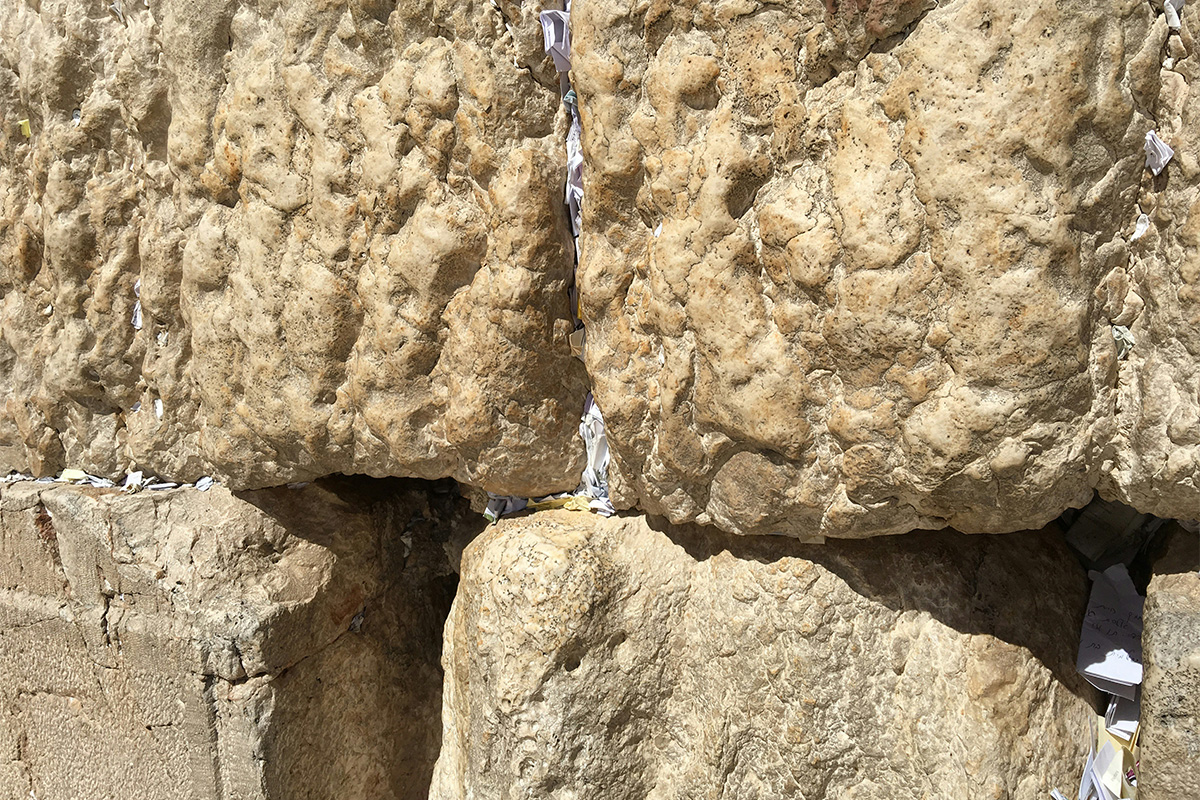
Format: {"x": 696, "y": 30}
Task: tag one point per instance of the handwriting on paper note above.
{"x": 1110, "y": 646}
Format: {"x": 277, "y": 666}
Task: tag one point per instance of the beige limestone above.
{"x": 627, "y": 658}
{"x": 204, "y": 645}
{"x": 346, "y": 219}
{"x": 894, "y": 241}
{"x": 1153, "y": 459}
{"x": 895, "y": 237}
{"x": 1170, "y": 722}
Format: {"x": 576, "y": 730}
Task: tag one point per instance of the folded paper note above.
{"x": 1110, "y": 646}
{"x": 1124, "y": 340}
{"x": 1171, "y": 9}
{"x": 577, "y": 339}
{"x": 137, "y": 305}
{"x": 575, "y": 171}
{"x": 501, "y": 505}
{"x": 1158, "y": 153}
{"x": 556, "y": 38}
{"x": 1121, "y": 719}
{"x": 1140, "y": 227}
{"x": 595, "y": 442}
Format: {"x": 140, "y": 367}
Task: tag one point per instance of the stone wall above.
{"x": 847, "y": 269}
{"x": 628, "y": 658}
{"x": 1170, "y": 736}
{"x": 342, "y": 225}
{"x": 274, "y": 644}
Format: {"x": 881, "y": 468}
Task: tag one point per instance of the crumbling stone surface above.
{"x": 628, "y": 658}
{"x": 347, "y": 223}
{"x": 895, "y": 236}
{"x": 275, "y": 644}
{"x": 1170, "y": 722}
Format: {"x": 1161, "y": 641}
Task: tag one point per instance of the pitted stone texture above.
{"x": 348, "y": 225}
{"x": 1170, "y": 722}
{"x": 1152, "y": 461}
{"x": 892, "y": 247}
{"x": 200, "y": 645}
{"x": 620, "y": 658}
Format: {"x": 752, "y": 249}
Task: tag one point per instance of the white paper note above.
{"x": 1121, "y": 719}
{"x": 1124, "y": 340}
{"x": 1110, "y": 646}
{"x": 575, "y": 172}
{"x": 595, "y": 442}
{"x": 1158, "y": 153}
{"x": 556, "y": 38}
{"x": 137, "y": 305}
{"x": 1171, "y": 9}
{"x": 1140, "y": 228}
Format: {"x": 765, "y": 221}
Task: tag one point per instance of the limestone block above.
{"x": 627, "y": 658}
{"x": 274, "y": 644}
{"x": 1153, "y": 459}
{"x": 347, "y": 224}
{"x": 1170, "y": 723}
{"x": 894, "y": 242}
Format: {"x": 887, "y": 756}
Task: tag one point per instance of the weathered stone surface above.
{"x": 1153, "y": 459}
{"x": 1170, "y": 737}
{"x": 347, "y": 221}
{"x": 895, "y": 238}
{"x": 590, "y": 658}
{"x": 202, "y": 645}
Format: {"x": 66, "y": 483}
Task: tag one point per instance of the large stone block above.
{"x": 1170, "y": 725}
{"x": 346, "y": 218}
{"x": 276, "y": 644}
{"x": 624, "y": 658}
{"x": 853, "y": 268}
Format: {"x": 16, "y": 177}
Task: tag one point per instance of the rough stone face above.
{"x": 202, "y": 645}
{"x": 616, "y": 659}
{"x": 346, "y": 217}
{"x": 895, "y": 237}
{"x": 1153, "y": 459}
{"x": 1170, "y": 736}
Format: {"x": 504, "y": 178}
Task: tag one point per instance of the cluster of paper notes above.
{"x": 1111, "y": 769}
{"x": 133, "y": 482}
{"x": 1110, "y": 657}
{"x": 574, "y": 164}
{"x": 592, "y": 493}
{"x": 556, "y": 37}
{"x": 1107, "y": 536}
{"x": 595, "y": 474}
{"x": 1158, "y": 152}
